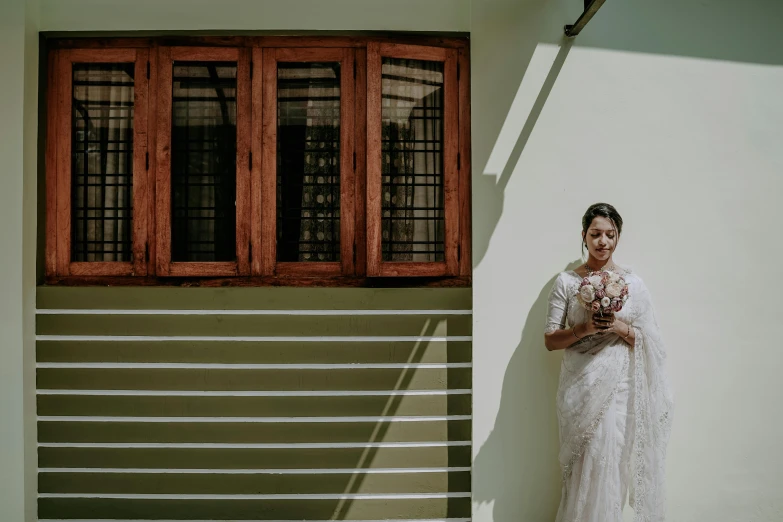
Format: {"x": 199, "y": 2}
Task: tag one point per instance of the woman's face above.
{"x": 601, "y": 238}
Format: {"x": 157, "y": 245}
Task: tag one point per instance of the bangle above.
{"x": 629, "y": 332}
{"x": 573, "y": 331}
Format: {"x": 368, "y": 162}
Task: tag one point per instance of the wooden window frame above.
{"x": 166, "y": 58}
{"x": 375, "y": 264}
{"x": 58, "y": 160}
{"x": 268, "y": 194}
{"x": 256, "y": 264}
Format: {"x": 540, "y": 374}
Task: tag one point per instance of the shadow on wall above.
{"x": 505, "y": 82}
{"x": 516, "y": 467}
{"x": 493, "y": 187}
{"x": 747, "y": 31}
{"x": 715, "y": 29}
{"x": 521, "y": 452}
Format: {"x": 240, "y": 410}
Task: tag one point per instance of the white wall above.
{"x": 18, "y": 150}
{"x": 255, "y": 15}
{"x": 672, "y": 111}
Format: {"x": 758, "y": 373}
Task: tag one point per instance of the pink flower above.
{"x": 625, "y": 290}
{"x": 595, "y": 280}
{"x": 600, "y": 294}
{"x": 596, "y": 306}
{"x": 614, "y": 290}
{"x": 587, "y": 294}
{"x": 617, "y": 305}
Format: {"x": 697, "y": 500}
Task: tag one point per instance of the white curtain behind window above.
{"x": 412, "y": 160}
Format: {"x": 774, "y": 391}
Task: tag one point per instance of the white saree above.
{"x": 614, "y": 410}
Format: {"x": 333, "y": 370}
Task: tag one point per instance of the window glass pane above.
{"x": 412, "y": 213}
{"x": 308, "y": 162}
{"x": 203, "y": 161}
{"x": 102, "y": 161}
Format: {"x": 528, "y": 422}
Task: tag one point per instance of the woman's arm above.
{"x": 566, "y": 337}
{"x": 610, "y": 324}
{"x": 562, "y": 339}
{"x": 556, "y": 335}
{"x": 624, "y": 331}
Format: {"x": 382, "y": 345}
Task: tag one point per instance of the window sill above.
{"x": 211, "y": 282}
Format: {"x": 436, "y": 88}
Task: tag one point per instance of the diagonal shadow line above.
{"x": 535, "y": 112}
{"x": 390, "y": 409}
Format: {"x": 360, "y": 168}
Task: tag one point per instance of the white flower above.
{"x": 614, "y": 277}
{"x": 606, "y": 302}
{"x": 587, "y": 293}
{"x": 595, "y": 280}
{"x": 614, "y": 290}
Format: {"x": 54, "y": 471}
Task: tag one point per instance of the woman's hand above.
{"x": 609, "y": 324}
{"x": 598, "y": 324}
{"x": 605, "y": 322}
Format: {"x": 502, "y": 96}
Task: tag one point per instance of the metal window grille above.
{"x": 203, "y": 161}
{"x": 308, "y": 162}
{"x": 102, "y": 161}
{"x": 412, "y": 201}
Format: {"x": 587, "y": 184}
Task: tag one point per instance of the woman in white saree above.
{"x": 614, "y": 400}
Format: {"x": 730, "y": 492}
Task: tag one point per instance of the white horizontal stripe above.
{"x": 216, "y": 338}
{"x": 220, "y": 366}
{"x": 92, "y": 311}
{"x": 254, "y": 393}
{"x": 418, "y": 418}
{"x": 228, "y": 445}
{"x": 314, "y": 471}
{"x": 294, "y": 496}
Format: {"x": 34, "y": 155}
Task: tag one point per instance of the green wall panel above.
{"x": 111, "y": 407}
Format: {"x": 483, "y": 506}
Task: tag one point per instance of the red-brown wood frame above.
{"x": 360, "y": 122}
{"x": 59, "y": 260}
{"x": 268, "y": 261}
{"x": 356, "y": 41}
{"x": 257, "y": 58}
{"x": 451, "y": 178}
{"x": 464, "y": 166}
{"x": 166, "y": 58}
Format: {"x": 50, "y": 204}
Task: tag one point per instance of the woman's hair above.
{"x": 604, "y": 210}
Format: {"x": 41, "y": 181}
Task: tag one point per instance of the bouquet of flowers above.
{"x": 603, "y": 292}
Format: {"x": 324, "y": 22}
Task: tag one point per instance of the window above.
{"x": 95, "y": 182}
{"x": 259, "y": 160}
{"x": 307, "y": 191}
{"x": 203, "y": 178}
{"x": 412, "y": 172}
